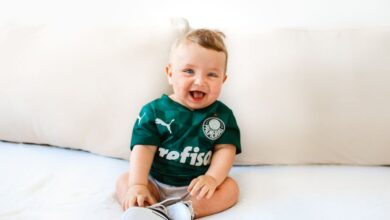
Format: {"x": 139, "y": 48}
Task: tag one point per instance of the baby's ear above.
{"x": 224, "y": 77}
{"x": 168, "y": 71}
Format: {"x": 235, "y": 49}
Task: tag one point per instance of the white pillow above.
{"x": 81, "y": 86}
{"x": 300, "y": 96}
{"x": 311, "y": 96}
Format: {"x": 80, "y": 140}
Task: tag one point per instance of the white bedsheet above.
{"x": 40, "y": 182}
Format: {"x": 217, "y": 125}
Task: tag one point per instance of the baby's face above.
{"x": 196, "y": 75}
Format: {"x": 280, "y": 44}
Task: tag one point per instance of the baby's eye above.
{"x": 189, "y": 71}
{"x": 213, "y": 74}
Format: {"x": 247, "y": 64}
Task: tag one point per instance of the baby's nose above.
{"x": 199, "y": 80}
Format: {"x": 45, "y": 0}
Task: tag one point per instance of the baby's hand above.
{"x": 203, "y": 186}
{"x": 137, "y": 195}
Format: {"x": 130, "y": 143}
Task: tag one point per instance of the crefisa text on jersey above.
{"x": 196, "y": 158}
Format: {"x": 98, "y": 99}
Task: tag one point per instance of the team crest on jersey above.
{"x": 213, "y": 128}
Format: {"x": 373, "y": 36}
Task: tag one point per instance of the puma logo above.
{"x": 140, "y": 118}
{"x": 161, "y": 122}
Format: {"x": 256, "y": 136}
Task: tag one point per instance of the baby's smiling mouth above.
{"x": 197, "y": 95}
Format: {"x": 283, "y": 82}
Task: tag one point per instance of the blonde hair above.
{"x": 206, "y": 38}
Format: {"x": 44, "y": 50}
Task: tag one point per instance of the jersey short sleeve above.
{"x": 145, "y": 131}
{"x": 231, "y": 134}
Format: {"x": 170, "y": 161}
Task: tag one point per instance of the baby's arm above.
{"x": 141, "y": 159}
{"x": 221, "y": 163}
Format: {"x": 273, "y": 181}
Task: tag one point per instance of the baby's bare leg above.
{"x": 122, "y": 187}
{"x": 225, "y": 196}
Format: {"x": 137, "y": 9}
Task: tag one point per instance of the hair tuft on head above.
{"x": 207, "y": 38}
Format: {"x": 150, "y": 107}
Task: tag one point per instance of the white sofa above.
{"x": 312, "y": 105}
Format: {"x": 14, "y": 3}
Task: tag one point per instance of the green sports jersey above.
{"x": 185, "y": 138}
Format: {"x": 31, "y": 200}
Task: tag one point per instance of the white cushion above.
{"x": 65, "y": 184}
{"x": 311, "y": 96}
{"x": 300, "y": 95}
{"x": 81, "y": 86}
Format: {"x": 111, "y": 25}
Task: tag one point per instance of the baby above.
{"x": 187, "y": 141}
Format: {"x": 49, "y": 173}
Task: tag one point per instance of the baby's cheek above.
{"x": 215, "y": 92}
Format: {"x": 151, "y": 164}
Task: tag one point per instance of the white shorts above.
{"x": 167, "y": 191}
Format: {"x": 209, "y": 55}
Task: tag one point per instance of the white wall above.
{"x": 204, "y": 13}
